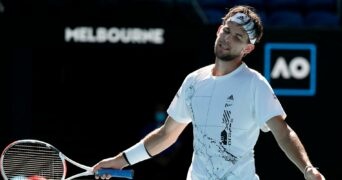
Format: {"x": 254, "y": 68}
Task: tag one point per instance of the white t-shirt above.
{"x": 227, "y": 113}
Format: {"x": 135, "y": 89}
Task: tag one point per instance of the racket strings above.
{"x": 33, "y": 159}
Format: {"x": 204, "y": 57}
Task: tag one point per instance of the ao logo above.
{"x": 298, "y": 68}
{"x": 291, "y": 68}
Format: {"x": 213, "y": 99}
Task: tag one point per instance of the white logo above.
{"x": 298, "y": 68}
{"x": 114, "y": 35}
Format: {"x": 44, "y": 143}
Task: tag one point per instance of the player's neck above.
{"x": 222, "y": 68}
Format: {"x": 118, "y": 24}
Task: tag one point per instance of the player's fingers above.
{"x": 103, "y": 176}
{"x": 106, "y": 176}
{"x": 97, "y": 177}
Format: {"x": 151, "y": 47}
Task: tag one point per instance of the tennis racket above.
{"x": 30, "y": 159}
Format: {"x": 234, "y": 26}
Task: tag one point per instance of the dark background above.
{"x": 94, "y": 100}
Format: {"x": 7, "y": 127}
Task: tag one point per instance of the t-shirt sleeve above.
{"x": 267, "y": 104}
{"x": 179, "y": 107}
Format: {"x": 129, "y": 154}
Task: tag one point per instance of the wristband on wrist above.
{"x": 136, "y": 153}
{"x": 125, "y": 157}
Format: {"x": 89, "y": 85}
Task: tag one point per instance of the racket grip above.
{"x": 116, "y": 173}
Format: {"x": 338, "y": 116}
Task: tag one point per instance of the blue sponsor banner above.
{"x": 291, "y": 68}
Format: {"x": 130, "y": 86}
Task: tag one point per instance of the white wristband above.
{"x": 136, "y": 153}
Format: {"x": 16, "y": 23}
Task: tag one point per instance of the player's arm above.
{"x": 163, "y": 137}
{"x": 292, "y": 147}
{"x": 152, "y": 144}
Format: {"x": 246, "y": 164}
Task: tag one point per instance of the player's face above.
{"x": 230, "y": 42}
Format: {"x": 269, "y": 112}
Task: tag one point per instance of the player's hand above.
{"x": 312, "y": 173}
{"x": 117, "y": 162}
{"x": 105, "y": 163}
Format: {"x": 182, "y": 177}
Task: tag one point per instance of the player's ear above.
{"x": 249, "y": 48}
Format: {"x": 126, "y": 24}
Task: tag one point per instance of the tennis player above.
{"x": 227, "y": 104}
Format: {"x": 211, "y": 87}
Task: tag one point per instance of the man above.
{"x": 228, "y": 104}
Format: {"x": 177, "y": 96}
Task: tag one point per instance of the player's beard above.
{"x": 224, "y": 56}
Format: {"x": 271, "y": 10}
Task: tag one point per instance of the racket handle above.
{"x": 116, "y": 173}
